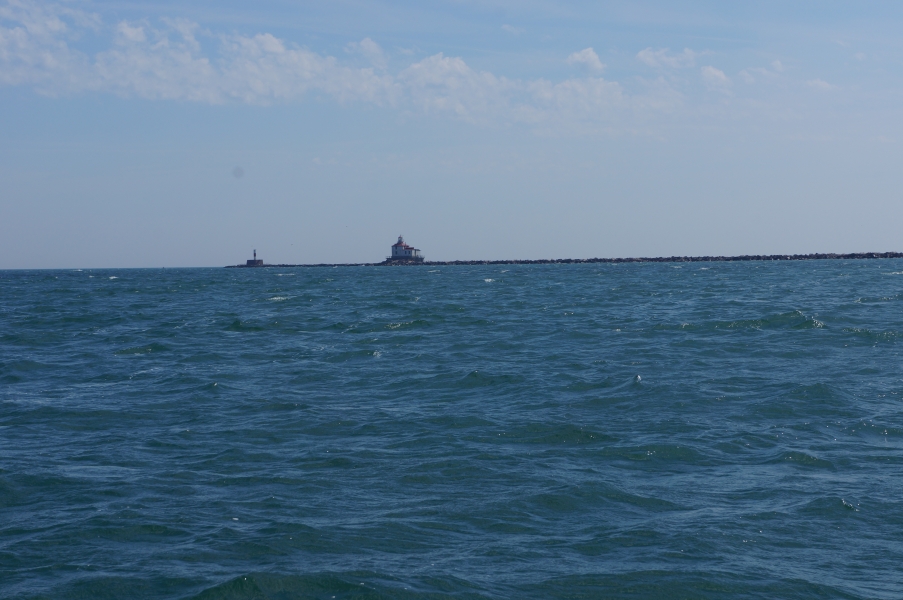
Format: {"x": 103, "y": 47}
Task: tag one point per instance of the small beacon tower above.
{"x": 255, "y": 262}
{"x": 401, "y": 252}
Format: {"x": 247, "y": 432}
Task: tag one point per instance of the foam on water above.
{"x": 588, "y": 430}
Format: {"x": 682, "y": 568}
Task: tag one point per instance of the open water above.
{"x": 701, "y": 430}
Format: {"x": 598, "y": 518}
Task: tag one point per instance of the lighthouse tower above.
{"x": 255, "y": 262}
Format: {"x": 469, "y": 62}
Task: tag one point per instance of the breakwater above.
{"x": 555, "y": 261}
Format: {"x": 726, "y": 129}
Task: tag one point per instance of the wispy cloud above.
{"x": 371, "y": 51}
{"x": 715, "y": 78}
{"x": 663, "y": 57}
{"x": 513, "y": 30}
{"x": 588, "y": 58}
{"x": 820, "y": 84}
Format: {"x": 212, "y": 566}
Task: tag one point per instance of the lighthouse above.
{"x": 256, "y": 262}
{"x": 402, "y": 252}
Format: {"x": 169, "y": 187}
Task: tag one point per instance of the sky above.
{"x": 176, "y": 134}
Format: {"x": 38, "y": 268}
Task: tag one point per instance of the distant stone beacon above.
{"x": 255, "y": 262}
{"x": 401, "y": 252}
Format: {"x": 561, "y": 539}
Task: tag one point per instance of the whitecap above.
{"x": 848, "y": 505}
{"x": 895, "y": 273}
{"x": 114, "y": 277}
{"x": 278, "y": 298}
{"x": 489, "y": 280}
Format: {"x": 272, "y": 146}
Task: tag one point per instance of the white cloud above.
{"x": 588, "y": 58}
{"x": 715, "y": 78}
{"x": 371, "y": 51}
{"x": 178, "y": 60}
{"x": 820, "y": 84}
{"x": 777, "y": 66}
{"x": 663, "y": 57}
{"x": 591, "y": 98}
{"x": 34, "y": 49}
{"x": 445, "y": 84}
{"x": 127, "y": 33}
{"x": 746, "y": 76}
{"x": 512, "y": 29}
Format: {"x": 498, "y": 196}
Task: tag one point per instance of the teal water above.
{"x": 703, "y": 430}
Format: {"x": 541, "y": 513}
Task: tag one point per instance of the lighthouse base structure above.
{"x": 404, "y": 259}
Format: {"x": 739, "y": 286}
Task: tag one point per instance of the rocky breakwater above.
{"x": 659, "y": 259}
{"x": 567, "y": 261}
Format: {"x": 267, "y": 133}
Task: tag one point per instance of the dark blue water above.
{"x": 556, "y": 431}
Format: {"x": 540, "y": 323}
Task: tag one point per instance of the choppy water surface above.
{"x": 563, "y": 431}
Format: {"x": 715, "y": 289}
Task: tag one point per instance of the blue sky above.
{"x": 476, "y": 129}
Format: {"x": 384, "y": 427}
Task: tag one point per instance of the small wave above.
{"x": 476, "y": 379}
{"x": 874, "y": 336}
{"x": 239, "y": 325}
{"x": 895, "y": 273}
{"x": 803, "y": 459}
{"x": 358, "y": 584}
{"x": 553, "y": 434}
{"x": 829, "y": 505}
{"x": 278, "y": 299}
{"x": 142, "y": 349}
{"x": 24, "y": 365}
{"x": 405, "y": 324}
{"x": 791, "y": 320}
{"x": 849, "y": 505}
{"x": 489, "y": 280}
{"x": 114, "y": 277}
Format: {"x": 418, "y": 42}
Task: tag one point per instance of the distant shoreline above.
{"x": 567, "y": 261}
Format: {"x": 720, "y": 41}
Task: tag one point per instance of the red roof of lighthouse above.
{"x": 400, "y": 244}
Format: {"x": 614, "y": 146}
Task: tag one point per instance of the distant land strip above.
{"x": 567, "y": 261}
